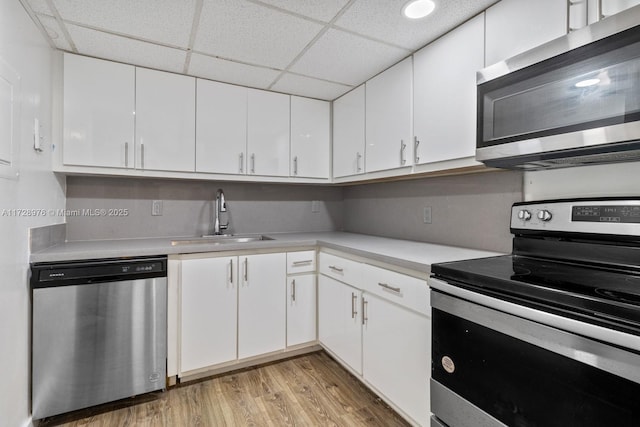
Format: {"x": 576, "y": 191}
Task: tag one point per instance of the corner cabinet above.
{"x": 349, "y": 133}
{"x": 165, "y": 121}
{"x": 389, "y": 130}
{"x": 268, "y": 133}
{"x": 444, "y": 94}
{"x": 301, "y": 298}
{"x": 310, "y": 138}
{"x": 377, "y": 322}
{"x": 99, "y": 105}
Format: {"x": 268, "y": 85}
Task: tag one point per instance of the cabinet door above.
{"x": 339, "y": 328}
{"x": 98, "y": 112}
{"x": 348, "y": 133}
{"x": 611, "y": 7}
{"x": 268, "y": 133}
{"x": 165, "y": 121}
{"x": 309, "y": 138}
{"x": 397, "y": 355}
{"x": 261, "y": 316}
{"x": 388, "y": 125}
{"x": 515, "y": 26}
{"x": 445, "y": 94}
{"x": 301, "y": 309}
{"x": 208, "y": 312}
{"x": 221, "y": 128}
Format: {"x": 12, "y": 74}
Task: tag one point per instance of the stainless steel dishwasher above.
{"x": 98, "y": 332}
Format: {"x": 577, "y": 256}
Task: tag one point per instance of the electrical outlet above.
{"x": 156, "y": 208}
{"x": 315, "y": 206}
{"x": 426, "y": 216}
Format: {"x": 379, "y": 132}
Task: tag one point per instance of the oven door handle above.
{"x": 533, "y": 326}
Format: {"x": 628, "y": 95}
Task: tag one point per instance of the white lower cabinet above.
{"x": 396, "y": 348}
{"x": 301, "y": 309}
{"x": 339, "y": 328}
{"x": 208, "y": 312}
{"x": 381, "y": 329}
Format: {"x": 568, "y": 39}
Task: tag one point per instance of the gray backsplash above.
{"x": 467, "y": 210}
{"x": 188, "y": 206}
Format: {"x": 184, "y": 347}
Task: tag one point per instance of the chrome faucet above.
{"x": 221, "y": 206}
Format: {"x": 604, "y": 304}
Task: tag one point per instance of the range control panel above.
{"x": 618, "y": 217}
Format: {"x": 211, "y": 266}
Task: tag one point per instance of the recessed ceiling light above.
{"x": 416, "y": 9}
{"x": 587, "y": 82}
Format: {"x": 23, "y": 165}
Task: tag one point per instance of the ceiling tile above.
{"x": 164, "y": 21}
{"x": 247, "y": 32}
{"x": 322, "y": 10}
{"x": 383, "y": 20}
{"x": 345, "y": 58}
{"x": 55, "y": 32}
{"x": 231, "y": 72}
{"x": 122, "y": 49}
{"x": 40, "y": 6}
{"x": 307, "y": 86}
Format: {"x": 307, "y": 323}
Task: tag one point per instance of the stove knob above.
{"x": 524, "y": 215}
{"x": 544, "y": 215}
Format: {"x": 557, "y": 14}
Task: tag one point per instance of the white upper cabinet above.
{"x": 99, "y": 107}
{"x": 515, "y": 26}
{"x": 221, "y": 128}
{"x": 268, "y": 133}
{"x": 348, "y": 133}
{"x": 444, "y": 96}
{"x": 389, "y": 131}
{"x": 165, "y": 121}
{"x": 310, "y": 138}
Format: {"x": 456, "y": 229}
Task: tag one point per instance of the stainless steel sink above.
{"x": 219, "y": 239}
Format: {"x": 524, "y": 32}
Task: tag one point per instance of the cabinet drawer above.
{"x": 341, "y": 269}
{"x": 402, "y": 289}
{"x": 301, "y": 262}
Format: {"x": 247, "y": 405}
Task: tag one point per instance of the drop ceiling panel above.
{"x": 40, "y": 6}
{"x": 346, "y": 58}
{"x": 164, "y": 21}
{"x": 122, "y": 49}
{"x": 307, "y": 86}
{"x": 231, "y": 72}
{"x": 323, "y": 10}
{"x": 55, "y": 32}
{"x": 383, "y": 20}
{"x": 248, "y": 32}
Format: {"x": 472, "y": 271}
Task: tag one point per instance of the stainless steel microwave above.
{"x": 572, "y": 101}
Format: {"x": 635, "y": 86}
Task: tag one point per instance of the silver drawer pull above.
{"x": 334, "y": 268}
{"x": 389, "y": 287}
{"x": 306, "y": 261}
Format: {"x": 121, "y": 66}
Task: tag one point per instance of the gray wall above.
{"x": 467, "y": 210}
{"x": 188, "y": 206}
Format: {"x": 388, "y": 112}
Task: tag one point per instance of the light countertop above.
{"x": 404, "y": 253}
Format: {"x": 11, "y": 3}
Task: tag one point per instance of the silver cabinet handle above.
{"x": 253, "y": 163}
{"x": 126, "y": 154}
{"x": 293, "y": 290}
{"x": 364, "y": 311}
{"x": 416, "y": 158}
{"x": 295, "y": 165}
{"x": 241, "y": 162}
{"x": 306, "y": 261}
{"x": 354, "y": 301}
{"x": 231, "y": 271}
{"x": 358, "y": 157}
{"x": 246, "y": 269}
{"x": 389, "y": 287}
{"x": 142, "y": 155}
{"x": 600, "y": 14}
{"x": 334, "y": 268}
{"x": 402, "y": 148}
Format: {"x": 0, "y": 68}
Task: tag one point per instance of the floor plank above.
{"x": 310, "y": 390}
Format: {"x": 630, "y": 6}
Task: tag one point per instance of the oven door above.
{"x": 492, "y": 368}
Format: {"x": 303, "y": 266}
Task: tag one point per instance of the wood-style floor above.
{"x": 310, "y": 390}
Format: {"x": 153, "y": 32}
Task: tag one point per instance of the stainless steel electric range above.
{"x": 549, "y": 335}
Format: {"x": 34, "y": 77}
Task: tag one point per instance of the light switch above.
{"x": 156, "y": 208}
